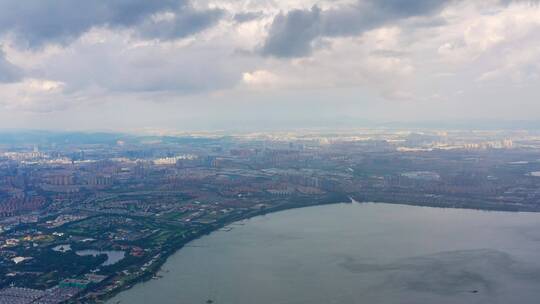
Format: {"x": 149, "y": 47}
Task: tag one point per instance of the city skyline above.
{"x": 269, "y": 151}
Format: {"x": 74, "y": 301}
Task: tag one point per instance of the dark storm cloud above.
{"x": 292, "y": 34}
{"x": 8, "y": 71}
{"x": 38, "y": 22}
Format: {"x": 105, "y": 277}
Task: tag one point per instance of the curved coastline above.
{"x": 157, "y": 265}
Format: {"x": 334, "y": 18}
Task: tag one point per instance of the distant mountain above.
{"x": 105, "y": 138}
{"x": 52, "y": 137}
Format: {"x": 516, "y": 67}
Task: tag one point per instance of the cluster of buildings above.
{"x": 55, "y": 295}
{"x": 146, "y": 198}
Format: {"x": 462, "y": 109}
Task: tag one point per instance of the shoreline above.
{"x": 157, "y": 266}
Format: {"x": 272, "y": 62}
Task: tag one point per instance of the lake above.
{"x": 357, "y": 253}
{"x": 113, "y": 256}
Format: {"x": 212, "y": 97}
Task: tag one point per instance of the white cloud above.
{"x": 259, "y": 78}
{"x": 465, "y": 47}
{"x": 44, "y": 85}
{"x": 33, "y": 95}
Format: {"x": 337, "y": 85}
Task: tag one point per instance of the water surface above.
{"x": 357, "y": 253}
{"x": 62, "y": 248}
{"x": 113, "y": 256}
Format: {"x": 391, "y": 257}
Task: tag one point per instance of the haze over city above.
{"x": 217, "y": 64}
{"x": 269, "y": 151}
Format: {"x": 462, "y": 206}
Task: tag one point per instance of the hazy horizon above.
{"x": 132, "y": 132}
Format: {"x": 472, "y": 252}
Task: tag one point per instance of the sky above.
{"x": 180, "y": 65}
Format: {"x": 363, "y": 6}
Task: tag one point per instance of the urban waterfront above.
{"x": 274, "y": 152}
{"x": 356, "y": 253}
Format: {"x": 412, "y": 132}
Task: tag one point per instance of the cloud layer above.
{"x": 35, "y": 23}
{"x": 8, "y": 71}
{"x": 382, "y": 59}
{"x": 292, "y": 34}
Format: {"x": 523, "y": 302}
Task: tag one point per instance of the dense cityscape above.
{"x": 270, "y": 152}
{"x": 86, "y": 215}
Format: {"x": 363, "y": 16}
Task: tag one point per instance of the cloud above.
{"x": 180, "y": 24}
{"x": 292, "y": 34}
{"x": 8, "y": 71}
{"x": 44, "y": 85}
{"x": 35, "y": 95}
{"x": 259, "y": 78}
{"x": 35, "y": 23}
{"x": 247, "y": 16}
{"x": 106, "y": 62}
{"x": 376, "y": 61}
{"x": 501, "y": 46}
{"x": 59, "y": 55}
